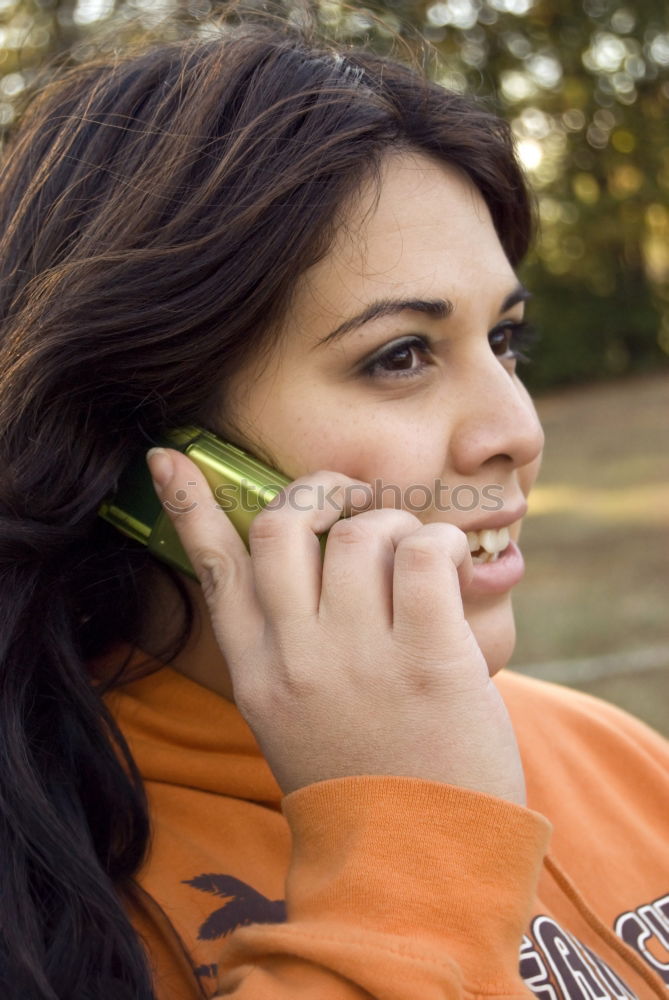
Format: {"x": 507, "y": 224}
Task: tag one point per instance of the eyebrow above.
{"x": 434, "y": 308}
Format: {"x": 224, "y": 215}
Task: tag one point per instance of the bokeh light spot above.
{"x": 623, "y": 141}
{"x": 586, "y": 188}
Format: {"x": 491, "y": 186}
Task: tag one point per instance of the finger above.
{"x": 431, "y": 566}
{"x": 358, "y": 565}
{"x": 212, "y": 544}
{"x": 284, "y": 544}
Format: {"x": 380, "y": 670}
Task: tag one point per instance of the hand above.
{"x": 362, "y": 665}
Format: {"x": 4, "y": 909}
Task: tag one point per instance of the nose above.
{"x": 498, "y": 423}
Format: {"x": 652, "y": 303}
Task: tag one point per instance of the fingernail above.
{"x": 160, "y": 466}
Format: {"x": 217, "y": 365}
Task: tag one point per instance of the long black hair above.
{"x": 157, "y": 209}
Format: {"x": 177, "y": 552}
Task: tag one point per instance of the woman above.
{"x": 298, "y": 779}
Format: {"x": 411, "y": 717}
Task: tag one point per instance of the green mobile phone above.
{"x": 241, "y": 484}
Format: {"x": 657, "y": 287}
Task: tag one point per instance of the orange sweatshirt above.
{"x": 400, "y": 888}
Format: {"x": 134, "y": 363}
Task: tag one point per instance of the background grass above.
{"x": 596, "y": 546}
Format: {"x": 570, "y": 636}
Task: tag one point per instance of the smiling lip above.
{"x": 496, "y": 577}
{"x": 502, "y": 520}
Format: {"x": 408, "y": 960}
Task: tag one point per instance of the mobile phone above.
{"x": 241, "y": 484}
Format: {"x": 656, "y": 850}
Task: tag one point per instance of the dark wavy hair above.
{"x": 157, "y": 209}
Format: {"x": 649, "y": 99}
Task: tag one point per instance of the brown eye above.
{"x": 403, "y": 360}
{"x": 401, "y": 357}
{"x": 500, "y": 340}
{"x": 511, "y": 340}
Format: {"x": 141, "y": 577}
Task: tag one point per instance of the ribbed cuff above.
{"x": 452, "y": 868}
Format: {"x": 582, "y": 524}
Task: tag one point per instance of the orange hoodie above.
{"x": 399, "y": 888}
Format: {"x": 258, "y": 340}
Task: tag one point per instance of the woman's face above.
{"x": 423, "y": 403}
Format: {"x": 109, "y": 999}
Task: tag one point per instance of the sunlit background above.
{"x": 585, "y": 85}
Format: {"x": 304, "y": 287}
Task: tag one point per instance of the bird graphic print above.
{"x": 242, "y": 905}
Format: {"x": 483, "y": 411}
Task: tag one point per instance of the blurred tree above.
{"x": 585, "y": 84}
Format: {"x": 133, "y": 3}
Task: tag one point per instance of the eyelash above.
{"x": 519, "y": 337}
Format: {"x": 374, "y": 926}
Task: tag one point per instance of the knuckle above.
{"x": 392, "y": 516}
{"x": 215, "y": 571}
{"x": 443, "y": 533}
{"x": 350, "y": 530}
{"x": 431, "y": 542}
{"x": 411, "y": 520}
{"x": 268, "y": 524}
{"x": 373, "y": 524}
{"x": 416, "y": 553}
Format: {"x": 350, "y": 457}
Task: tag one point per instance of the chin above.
{"x": 494, "y": 628}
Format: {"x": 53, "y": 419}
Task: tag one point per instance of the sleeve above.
{"x": 638, "y": 733}
{"x": 398, "y": 889}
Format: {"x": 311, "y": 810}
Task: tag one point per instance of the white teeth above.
{"x": 491, "y": 541}
{"x": 488, "y": 541}
{"x": 484, "y": 557}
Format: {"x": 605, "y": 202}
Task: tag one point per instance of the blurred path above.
{"x": 593, "y": 609}
{"x": 637, "y": 681}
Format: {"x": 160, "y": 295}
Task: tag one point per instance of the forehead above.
{"x": 425, "y": 231}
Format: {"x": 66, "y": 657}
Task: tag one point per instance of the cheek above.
{"x": 527, "y": 474}
{"x": 358, "y": 445}
{"x": 307, "y": 446}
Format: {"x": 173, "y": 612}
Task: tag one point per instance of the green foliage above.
{"x": 585, "y": 84}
